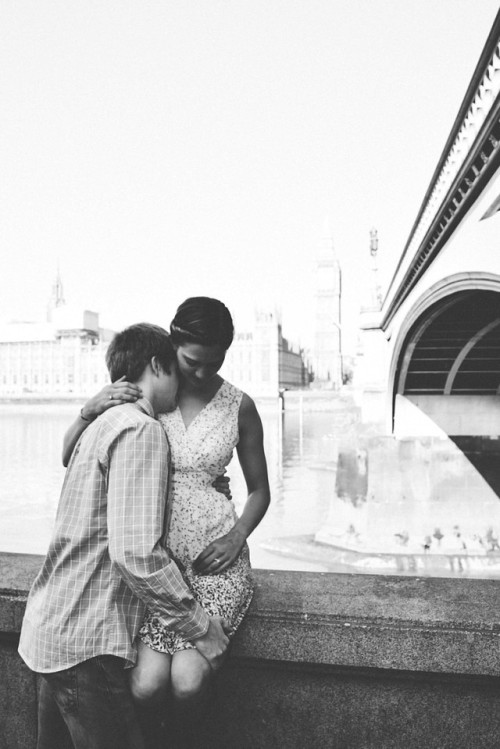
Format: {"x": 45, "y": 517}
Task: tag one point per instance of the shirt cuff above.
{"x": 196, "y": 626}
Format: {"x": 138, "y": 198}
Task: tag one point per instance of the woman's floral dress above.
{"x": 199, "y": 513}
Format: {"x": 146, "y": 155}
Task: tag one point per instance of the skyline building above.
{"x": 327, "y": 351}
{"x": 60, "y": 357}
{"x": 261, "y": 361}
{"x": 63, "y": 356}
{"x": 57, "y": 297}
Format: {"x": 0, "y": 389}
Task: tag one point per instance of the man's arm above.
{"x": 137, "y": 473}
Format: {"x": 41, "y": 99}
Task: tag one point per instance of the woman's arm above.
{"x": 111, "y": 395}
{"x": 252, "y": 459}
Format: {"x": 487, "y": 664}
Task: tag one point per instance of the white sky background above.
{"x": 158, "y": 149}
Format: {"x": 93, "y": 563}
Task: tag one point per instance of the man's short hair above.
{"x": 131, "y": 351}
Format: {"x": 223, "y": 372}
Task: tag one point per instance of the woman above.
{"x": 205, "y": 537}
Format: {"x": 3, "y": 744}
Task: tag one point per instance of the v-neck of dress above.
{"x": 201, "y": 411}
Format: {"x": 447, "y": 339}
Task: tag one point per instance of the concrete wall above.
{"x": 452, "y": 414}
{"x": 326, "y": 660}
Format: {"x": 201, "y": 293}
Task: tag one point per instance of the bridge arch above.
{"x": 446, "y": 358}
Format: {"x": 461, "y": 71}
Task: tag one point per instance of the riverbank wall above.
{"x": 324, "y": 661}
{"x": 307, "y": 399}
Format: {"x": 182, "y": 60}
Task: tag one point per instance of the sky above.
{"x": 158, "y": 149}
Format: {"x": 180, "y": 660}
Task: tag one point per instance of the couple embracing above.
{"x": 132, "y": 611}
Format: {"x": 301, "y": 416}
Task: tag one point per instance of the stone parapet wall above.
{"x": 324, "y": 660}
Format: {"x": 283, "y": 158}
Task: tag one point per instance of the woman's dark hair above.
{"x": 203, "y": 320}
{"x": 131, "y": 351}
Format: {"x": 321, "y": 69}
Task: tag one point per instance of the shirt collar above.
{"x": 145, "y": 406}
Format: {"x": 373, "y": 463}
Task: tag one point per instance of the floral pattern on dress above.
{"x": 199, "y": 514}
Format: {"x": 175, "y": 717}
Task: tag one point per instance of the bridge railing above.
{"x": 470, "y": 158}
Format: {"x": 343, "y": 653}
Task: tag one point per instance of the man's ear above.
{"x": 155, "y": 366}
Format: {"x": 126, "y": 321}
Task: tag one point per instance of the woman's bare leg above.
{"x": 149, "y": 683}
{"x": 191, "y": 677}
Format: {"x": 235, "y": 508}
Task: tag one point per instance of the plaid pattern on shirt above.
{"x": 106, "y": 562}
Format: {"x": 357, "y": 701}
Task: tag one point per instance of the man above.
{"x": 105, "y": 562}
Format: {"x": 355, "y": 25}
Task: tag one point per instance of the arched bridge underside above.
{"x": 455, "y": 348}
{"x": 448, "y": 367}
{"x": 449, "y": 377}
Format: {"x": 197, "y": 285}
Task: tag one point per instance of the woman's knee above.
{"x": 148, "y": 687}
{"x": 190, "y": 687}
{"x": 190, "y": 677}
{"x": 149, "y": 679}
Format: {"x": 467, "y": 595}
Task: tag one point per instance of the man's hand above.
{"x": 213, "y": 645}
{"x": 221, "y": 483}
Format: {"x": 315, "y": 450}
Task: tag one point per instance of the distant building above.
{"x": 60, "y": 357}
{"x": 57, "y": 297}
{"x": 261, "y": 361}
{"x": 65, "y": 355}
{"x": 327, "y": 351}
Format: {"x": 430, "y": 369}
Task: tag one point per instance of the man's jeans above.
{"x": 92, "y": 704}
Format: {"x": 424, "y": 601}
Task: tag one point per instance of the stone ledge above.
{"x": 435, "y": 625}
{"x": 370, "y": 621}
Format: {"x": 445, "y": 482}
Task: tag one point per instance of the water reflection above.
{"x": 422, "y": 507}
{"x": 32, "y": 473}
{"x": 345, "y": 498}
{"x": 426, "y": 506}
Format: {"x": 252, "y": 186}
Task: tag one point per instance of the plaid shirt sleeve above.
{"x": 137, "y": 476}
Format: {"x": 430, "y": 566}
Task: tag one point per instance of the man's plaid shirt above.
{"x": 106, "y": 561}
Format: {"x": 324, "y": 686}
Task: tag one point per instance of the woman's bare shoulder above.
{"x": 248, "y": 415}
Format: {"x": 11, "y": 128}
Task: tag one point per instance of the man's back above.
{"x": 80, "y": 605}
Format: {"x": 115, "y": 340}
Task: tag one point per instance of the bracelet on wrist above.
{"x": 84, "y": 418}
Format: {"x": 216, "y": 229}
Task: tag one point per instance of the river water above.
{"x": 344, "y": 497}
{"x": 32, "y": 474}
